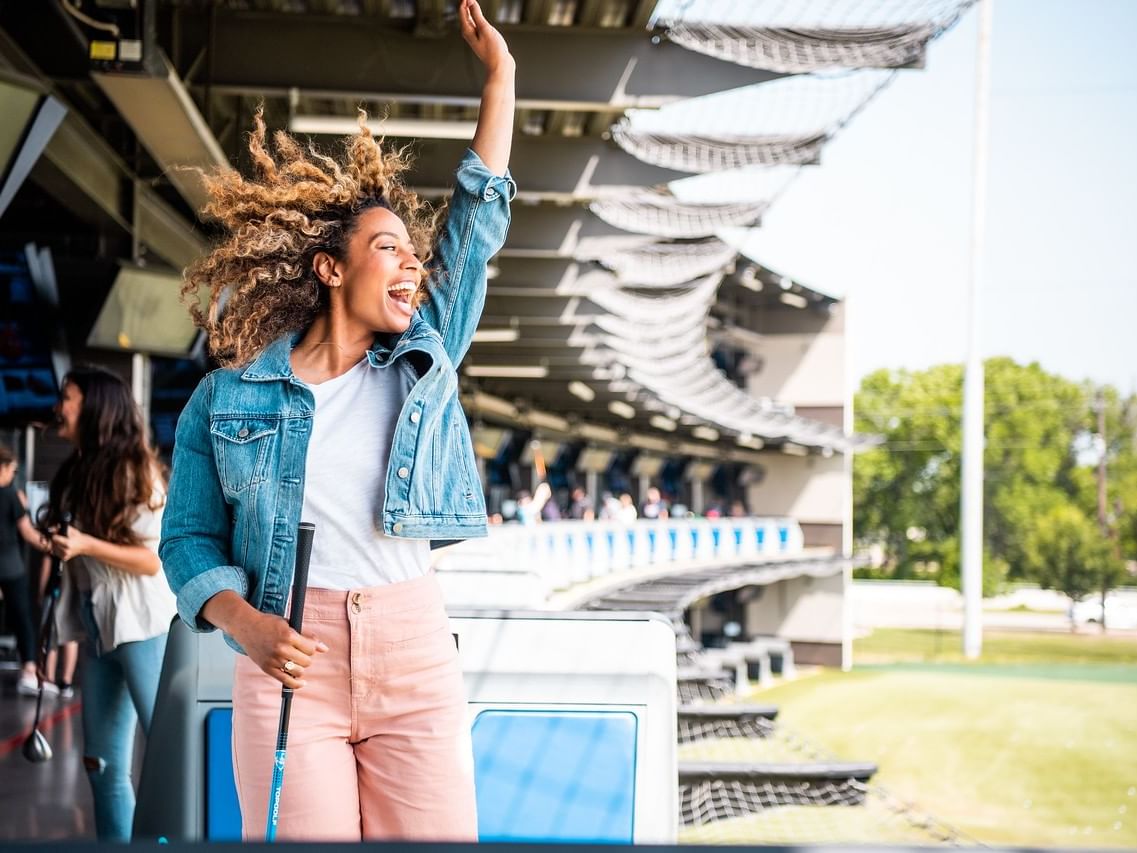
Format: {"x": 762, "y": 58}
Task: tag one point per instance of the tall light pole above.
{"x": 971, "y": 501}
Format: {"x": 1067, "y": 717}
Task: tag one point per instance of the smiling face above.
{"x": 379, "y": 275}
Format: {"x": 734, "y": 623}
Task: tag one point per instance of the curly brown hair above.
{"x": 300, "y": 203}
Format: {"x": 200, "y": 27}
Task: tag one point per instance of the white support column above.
{"x": 697, "y": 496}
{"x": 971, "y": 500}
{"x": 140, "y": 385}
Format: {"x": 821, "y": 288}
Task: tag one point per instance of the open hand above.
{"x": 486, "y": 42}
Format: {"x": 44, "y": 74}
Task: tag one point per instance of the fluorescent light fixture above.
{"x": 660, "y": 422}
{"x": 749, "y": 279}
{"x": 507, "y": 371}
{"x": 751, "y": 441}
{"x": 582, "y": 391}
{"x": 784, "y": 283}
{"x": 595, "y": 432}
{"x": 794, "y": 300}
{"x": 548, "y": 421}
{"x": 496, "y": 336}
{"x": 619, "y": 407}
{"x": 706, "y": 433}
{"x": 795, "y": 449}
{"x": 494, "y": 405}
{"x": 647, "y": 442}
{"x": 415, "y": 127}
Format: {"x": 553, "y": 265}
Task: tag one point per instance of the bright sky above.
{"x": 885, "y": 220}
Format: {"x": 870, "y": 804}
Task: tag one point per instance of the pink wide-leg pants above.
{"x": 379, "y": 744}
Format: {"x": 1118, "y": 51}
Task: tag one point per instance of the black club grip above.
{"x": 304, "y": 535}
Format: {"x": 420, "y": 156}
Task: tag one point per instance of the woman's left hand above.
{"x": 74, "y": 544}
{"x": 483, "y": 38}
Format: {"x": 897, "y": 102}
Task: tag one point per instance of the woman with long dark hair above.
{"x": 111, "y": 492}
{"x": 345, "y": 316}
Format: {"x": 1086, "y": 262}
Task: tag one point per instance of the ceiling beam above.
{"x": 613, "y": 66}
{"x": 569, "y": 168}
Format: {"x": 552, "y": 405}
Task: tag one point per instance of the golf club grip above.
{"x": 304, "y": 535}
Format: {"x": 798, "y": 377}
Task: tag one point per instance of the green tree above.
{"x": 907, "y": 490}
{"x": 1066, "y": 551}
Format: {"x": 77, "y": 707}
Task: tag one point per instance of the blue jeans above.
{"x": 119, "y": 689}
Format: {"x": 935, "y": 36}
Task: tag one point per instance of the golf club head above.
{"x": 36, "y": 748}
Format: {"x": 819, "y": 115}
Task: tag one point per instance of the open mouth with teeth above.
{"x": 402, "y": 293}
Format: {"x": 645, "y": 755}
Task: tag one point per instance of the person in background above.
{"x": 14, "y": 527}
{"x": 113, "y": 596}
{"x": 530, "y": 505}
{"x": 626, "y": 512}
{"x": 581, "y": 506}
{"x": 654, "y": 505}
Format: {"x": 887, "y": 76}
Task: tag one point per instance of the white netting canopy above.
{"x": 796, "y": 51}
{"x": 837, "y": 15}
{"x": 661, "y": 215}
{"x": 690, "y": 153}
{"x": 779, "y": 122}
{"x": 747, "y": 185}
{"x": 660, "y": 264}
{"x": 797, "y": 107}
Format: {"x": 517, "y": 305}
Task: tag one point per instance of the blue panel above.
{"x": 222, "y": 813}
{"x": 555, "y": 775}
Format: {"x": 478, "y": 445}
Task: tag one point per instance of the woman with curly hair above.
{"x": 340, "y": 319}
{"x": 114, "y": 599}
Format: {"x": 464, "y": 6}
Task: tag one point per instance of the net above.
{"x": 690, "y": 153}
{"x": 659, "y": 264}
{"x": 793, "y": 51}
{"x": 661, "y": 215}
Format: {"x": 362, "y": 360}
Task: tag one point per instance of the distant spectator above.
{"x": 609, "y": 507}
{"x": 738, "y": 509}
{"x": 654, "y": 506}
{"x": 551, "y": 511}
{"x": 627, "y": 510}
{"x": 529, "y": 505}
{"x": 495, "y": 518}
{"x": 581, "y": 507}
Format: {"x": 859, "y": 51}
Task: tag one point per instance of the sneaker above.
{"x": 66, "y": 691}
{"x": 27, "y": 685}
{"x": 50, "y": 689}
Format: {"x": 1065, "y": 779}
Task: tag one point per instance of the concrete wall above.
{"x": 803, "y": 357}
{"x": 804, "y": 609}
{"x": 810, "y": 489}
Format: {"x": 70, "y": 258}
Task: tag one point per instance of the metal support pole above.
{"x": 971, "y": 501}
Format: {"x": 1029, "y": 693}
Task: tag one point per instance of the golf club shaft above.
{"x": 295, "y": 621}
{"x": 42, "y": 752}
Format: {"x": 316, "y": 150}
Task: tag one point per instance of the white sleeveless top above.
{"x": 344, "y": 481}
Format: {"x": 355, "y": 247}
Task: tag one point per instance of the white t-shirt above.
{"x": 344, "y": 481}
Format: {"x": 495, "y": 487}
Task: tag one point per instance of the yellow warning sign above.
{"x": 104, "y": 49}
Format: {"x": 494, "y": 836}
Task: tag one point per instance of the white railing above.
{"x": 519, "y": 566}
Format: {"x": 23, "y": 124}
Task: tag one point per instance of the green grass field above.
{"x": 1044, "y": 756}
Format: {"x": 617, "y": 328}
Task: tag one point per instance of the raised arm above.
{"x": 494, "y": 136}
{"x": 477, "y": 219}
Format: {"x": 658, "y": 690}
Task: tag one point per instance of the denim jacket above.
{"x": 237, "y": 480}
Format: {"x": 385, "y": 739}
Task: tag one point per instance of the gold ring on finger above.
{"x": 288, "y": 666}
